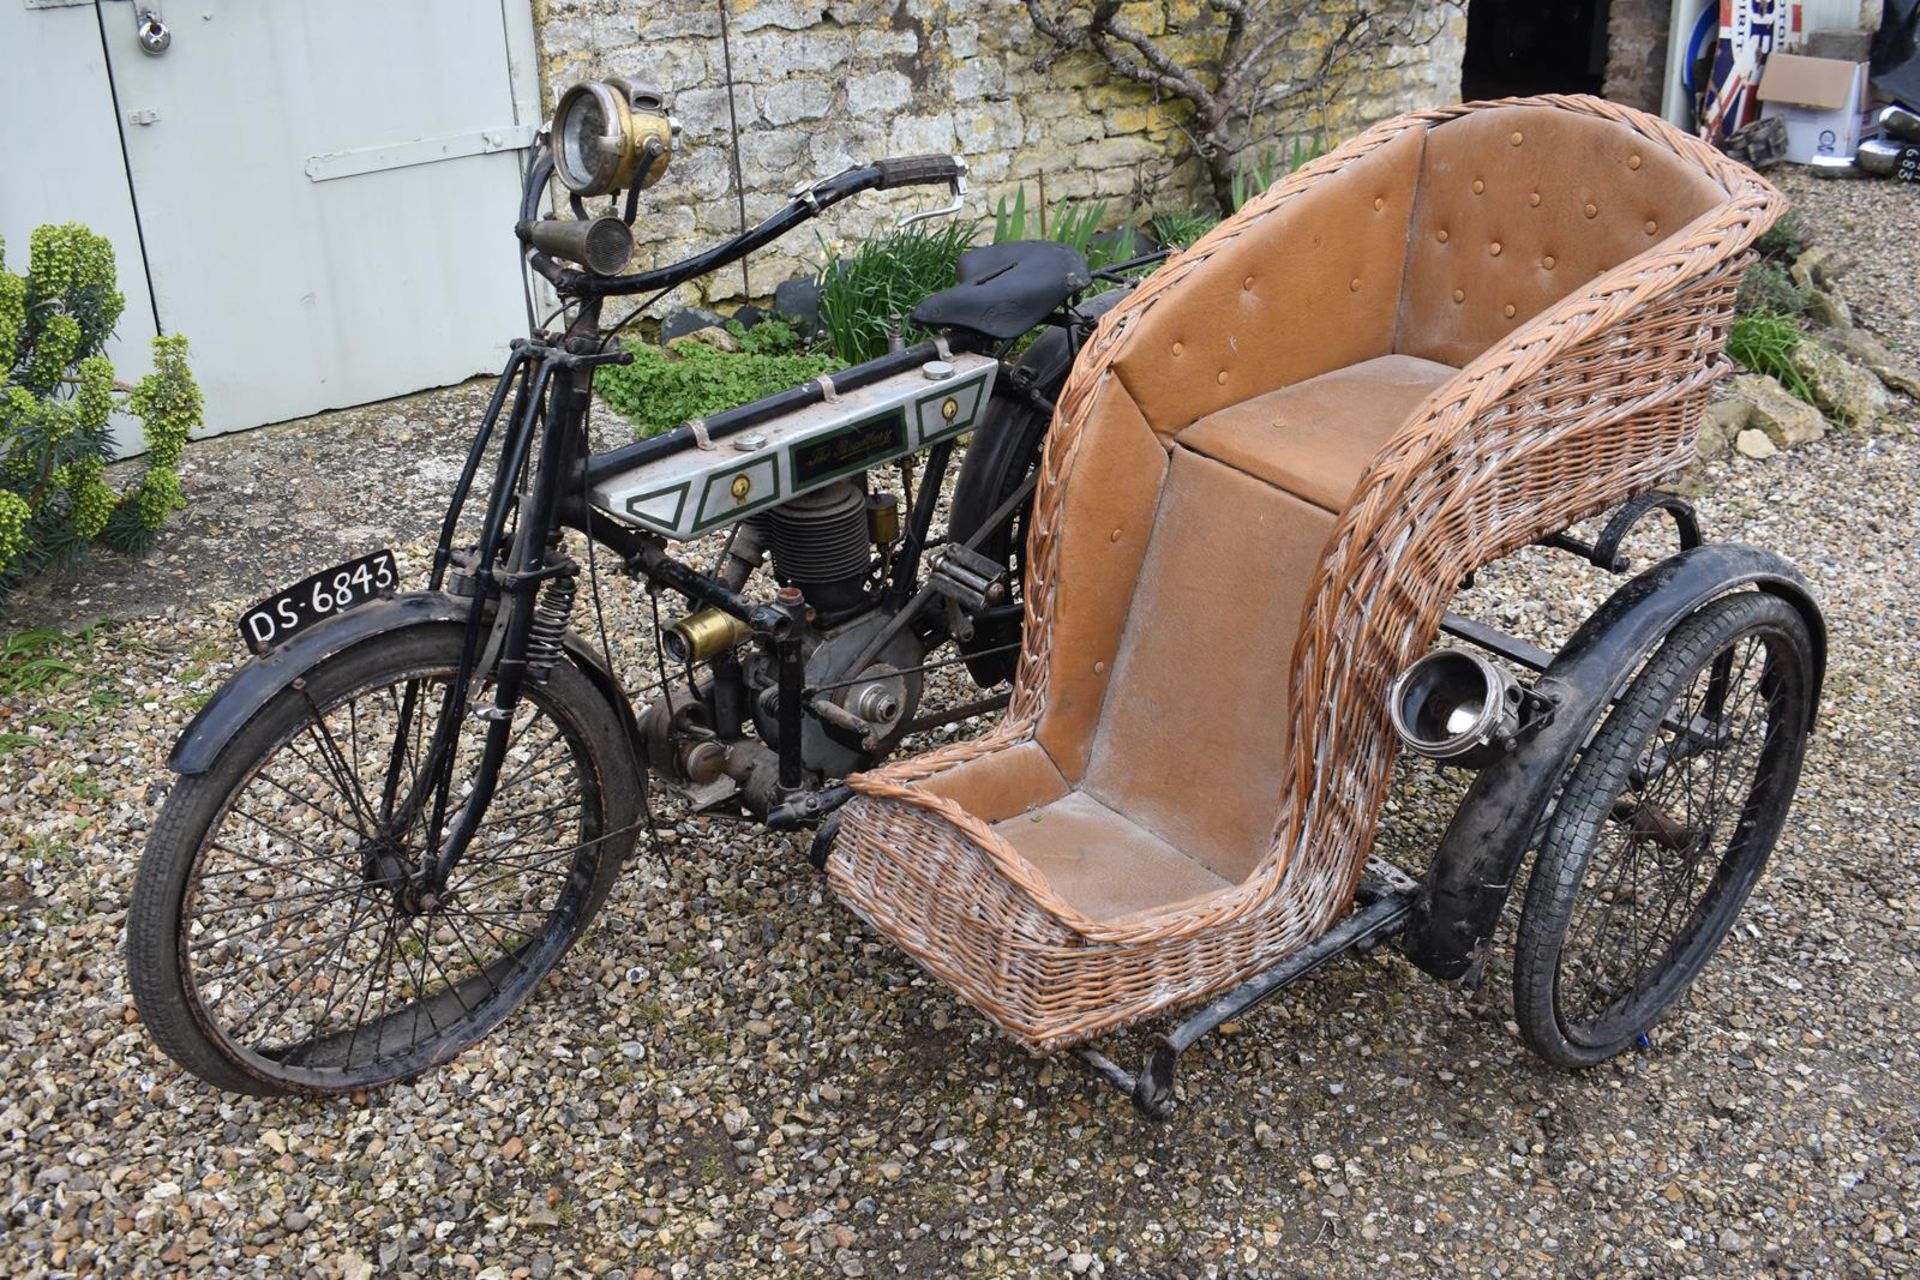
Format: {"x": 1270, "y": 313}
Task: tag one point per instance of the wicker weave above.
{"x": 1594, "y": 400}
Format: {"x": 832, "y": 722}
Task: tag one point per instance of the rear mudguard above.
{"x": 262, "y": 680}
{"x": 1479, "y": 859}
{"x": 1003, "y": 450}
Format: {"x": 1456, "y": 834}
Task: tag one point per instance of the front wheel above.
{"x": 281, "y": 938}
{"x": 1663, "y": 828}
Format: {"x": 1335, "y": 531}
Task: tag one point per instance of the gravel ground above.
{"x": 731, "y": 1076}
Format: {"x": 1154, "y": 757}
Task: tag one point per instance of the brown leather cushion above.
{"x": 1103, "y": 863}
{"x": 1001, "y": 783}
{"x": 1192, "y": 738}
{"x": 1117, "y": 469}
{"x": 1312, "y": 286}
{"x": 1314, "y": 438}
{"x": 1518, "y": 207}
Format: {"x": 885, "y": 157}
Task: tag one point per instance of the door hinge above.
{"x": 399, "y": 155}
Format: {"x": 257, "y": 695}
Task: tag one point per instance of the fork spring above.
{"x": 548, "y": 630}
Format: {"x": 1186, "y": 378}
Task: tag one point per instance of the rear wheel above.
{"x": 1663, "y": 828}
{"x": 281, "y": 939}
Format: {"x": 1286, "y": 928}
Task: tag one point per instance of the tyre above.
{"x": 1663, "y": 827}
{"x": 280, "y": 939}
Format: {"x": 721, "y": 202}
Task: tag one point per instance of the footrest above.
{"x": 967, "y": 578}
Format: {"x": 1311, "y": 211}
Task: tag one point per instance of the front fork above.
{"x": 552, "y": 384}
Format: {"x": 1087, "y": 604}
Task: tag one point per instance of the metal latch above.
{"x": 154, "y": 35}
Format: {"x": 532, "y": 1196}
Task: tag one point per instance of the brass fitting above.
{"x": 883, "y": 519}
{"x": 704, "y": 634}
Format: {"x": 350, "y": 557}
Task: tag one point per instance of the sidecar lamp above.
{"x": 609, "y": 135}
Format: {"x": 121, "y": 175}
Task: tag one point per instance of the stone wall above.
{"x": 1637, "y": 52}
{"x": 821, "y": 84}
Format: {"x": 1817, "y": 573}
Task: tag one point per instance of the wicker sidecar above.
{"x": 1271, "y": 471}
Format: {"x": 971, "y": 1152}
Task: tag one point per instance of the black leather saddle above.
{"x": 1006, "y": 289}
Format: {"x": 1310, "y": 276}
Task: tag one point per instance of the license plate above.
{"x": 321, "y": 596}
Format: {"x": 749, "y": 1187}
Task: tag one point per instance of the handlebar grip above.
{"x": 910, "y": 171}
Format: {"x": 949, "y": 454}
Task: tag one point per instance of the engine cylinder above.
{"x": 820, "y": 543}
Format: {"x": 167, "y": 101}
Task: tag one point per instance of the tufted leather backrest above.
{"x": 1311, "y": 287}
{"x": 1517, "y": 207}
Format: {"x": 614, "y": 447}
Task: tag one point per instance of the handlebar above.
{"x": 910, "y": 171}
{"x": 808, "y": 201}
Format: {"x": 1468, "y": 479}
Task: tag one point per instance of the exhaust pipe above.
{"x": 1456, "y": 707}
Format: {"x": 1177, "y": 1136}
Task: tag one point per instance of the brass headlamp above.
{"x": 609, "y": 135}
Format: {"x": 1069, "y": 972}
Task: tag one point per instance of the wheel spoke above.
{"x": 312, "y": 957}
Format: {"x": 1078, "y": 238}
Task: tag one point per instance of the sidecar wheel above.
{"x": 1663, "y": 828}
{"x": 277, "y": 939}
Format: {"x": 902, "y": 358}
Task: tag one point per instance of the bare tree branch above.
{"x": 1248, "y": 73}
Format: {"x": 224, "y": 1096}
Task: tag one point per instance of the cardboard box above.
{"x": 1822, "y": 101}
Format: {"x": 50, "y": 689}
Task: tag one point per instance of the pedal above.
{"x": 967, "y": 578}
{"x": 704, "y": 796}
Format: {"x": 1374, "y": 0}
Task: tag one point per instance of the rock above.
{"x": 798, "y": 299}
{"x": 1818, "y": 266}
{"x": 1849, "y": 394}
{"x": 1079, "y": 1263}
{"x": 712, "y": 336}
{"x": 1754, "y": 443}
{"x": 1732, "y": 1241}
{"x": 749, "y": 316}
{"x": 1788, "y": 420}
{"x": 1828, "y": 309}
{"x": 1864, "y": 348}
{"x": 679, "y": 324}
{"x": 1756, "y": 402}
{"x": 1722, "y": 420}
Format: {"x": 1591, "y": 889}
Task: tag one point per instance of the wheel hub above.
{"x": 385, "y": 865}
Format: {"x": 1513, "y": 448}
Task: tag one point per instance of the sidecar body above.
{"x": 1272, "y": 470}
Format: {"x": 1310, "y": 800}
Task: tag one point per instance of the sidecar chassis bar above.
{"x": 1386, "y": 899}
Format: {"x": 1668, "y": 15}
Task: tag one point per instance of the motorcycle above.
{"x": 1274, "y": 466}
{"x": 397, "y": 817}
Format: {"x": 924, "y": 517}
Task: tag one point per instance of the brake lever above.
{"x": 959, "y": 188}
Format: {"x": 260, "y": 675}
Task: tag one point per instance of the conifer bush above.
{"x": 57, "y": 394}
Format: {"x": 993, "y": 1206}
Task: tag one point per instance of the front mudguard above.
{"x": 266, "y": 677}
{"x": 1479, "y": 859}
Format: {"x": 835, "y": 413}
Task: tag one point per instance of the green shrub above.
{"x": 1071, "y": 223}
{"x": 886, "y": 276}
{"x": 1180, "y": 230}
{"x": 1767, "y": 286}
{"x": 773, "y": 336}
{"x": 1250, "y": 180}
{"x": 660, "y": 390}
{"x": 1785, "y": 239}
{"x": 1763, "y": 341}
{"x": 57, "y": 392}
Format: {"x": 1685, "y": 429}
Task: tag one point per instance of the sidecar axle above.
{"x": 1386, "y": 900}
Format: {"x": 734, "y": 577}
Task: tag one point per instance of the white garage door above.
{"x": 324, "y": 193}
